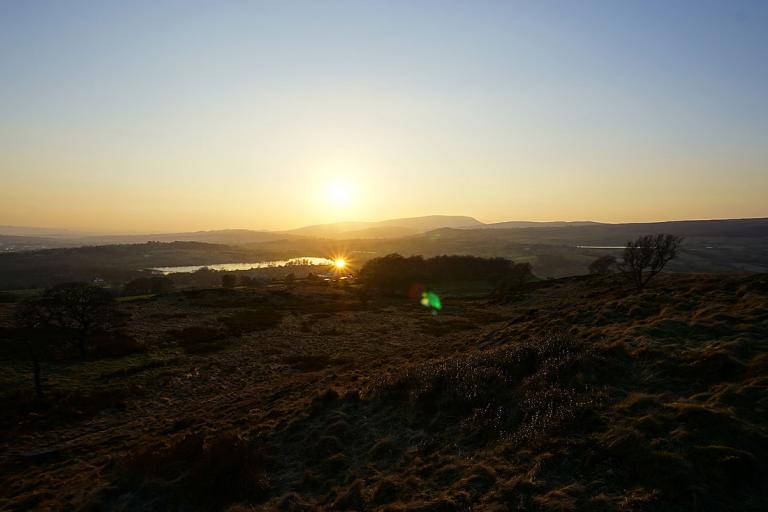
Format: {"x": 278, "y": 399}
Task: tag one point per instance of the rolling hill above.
{"x": 391, "y": 228}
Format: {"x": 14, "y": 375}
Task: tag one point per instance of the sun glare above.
{"x": 339, "y": 263}
{"x": 339, "y": 193}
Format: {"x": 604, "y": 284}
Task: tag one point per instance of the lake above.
{"x": 306, "y": 260}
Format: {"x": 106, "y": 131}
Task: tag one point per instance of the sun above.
{"x": 339, "y": 264}
{"x": 339, "y": 193}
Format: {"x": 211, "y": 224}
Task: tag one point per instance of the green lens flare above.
{"x": 431, "y": 300}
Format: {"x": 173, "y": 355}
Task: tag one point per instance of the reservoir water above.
{"x": 306, "y": 260}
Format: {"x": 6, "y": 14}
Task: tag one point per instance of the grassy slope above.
{"x": 578, "y": 395}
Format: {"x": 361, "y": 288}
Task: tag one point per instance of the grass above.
{"x": 579, "y": 396}
{"x": 243, "y": 322}
{"x": 76, "y": 390}
{"x": 134, "y": 298}
{"x": 522, "y": 390}
{"x": 198, "y": 339}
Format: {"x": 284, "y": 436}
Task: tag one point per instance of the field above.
{"x": 578, "y": 394}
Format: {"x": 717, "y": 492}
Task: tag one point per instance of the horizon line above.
{"x": 99, "y": 232}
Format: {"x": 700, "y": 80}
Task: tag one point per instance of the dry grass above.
{"x": 652, "y": 401}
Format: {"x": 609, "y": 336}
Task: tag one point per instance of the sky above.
{"x": 190, "y": 115}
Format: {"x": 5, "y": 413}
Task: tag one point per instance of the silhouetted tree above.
{"x": 35, "y": 333}
{"x": 647, "y": 256}
{"x": 603, "y": 265}
{"x": 395, "y": 273}
{"x": 229, "y": 281}
{"x": 79, "y": 308}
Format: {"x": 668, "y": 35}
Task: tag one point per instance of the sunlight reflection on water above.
{"x": 306, "y": 260}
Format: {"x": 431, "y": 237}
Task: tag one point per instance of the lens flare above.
{"x": 339, "y": 263}
{"x": 432, "y": 301}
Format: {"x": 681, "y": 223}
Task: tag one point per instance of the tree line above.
{"x": 396, "y": 273}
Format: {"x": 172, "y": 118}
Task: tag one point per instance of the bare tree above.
{"x": 603, "y": 265}
{"x": 648, "y": 255}
{"x": 80, "y": 308}
{"x": 36, "y": 334}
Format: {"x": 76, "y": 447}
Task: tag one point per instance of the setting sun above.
{"x": 339, "y": 263}
{"x": 339, "y": 193}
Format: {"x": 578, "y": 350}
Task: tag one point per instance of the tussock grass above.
{"x": 520, "y": 390}
{"x": 199, "y": 470}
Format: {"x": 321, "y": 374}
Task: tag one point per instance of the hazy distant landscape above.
{"x": 553, "y": 249}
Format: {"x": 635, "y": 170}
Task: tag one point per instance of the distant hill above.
{"x": 15, "y": 238}
{"x": 16, "y": 243}
{"x": 221, "y": 236}
{"x": 10, "y": 240}
{"x": 449, "y": 227}
{"x": 597, "y": 233}
{"x": 535, "y": 224}
{"x": 392, "y": 228}
{"x": 42, "y": 232}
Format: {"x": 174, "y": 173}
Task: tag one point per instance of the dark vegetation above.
{"x": 520, "y": 392}
{"x": 583, "y": 393}
{"x": 115, "y": 264}
{"x": 647, "y": 256}
{"x": 397, "y": 274}
{"x": 67, "y": 319}
{"x": 149, "y": 285}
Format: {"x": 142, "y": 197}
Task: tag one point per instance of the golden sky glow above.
{"x": 148, "y": 117}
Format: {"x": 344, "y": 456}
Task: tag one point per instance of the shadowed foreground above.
{"x": 576, "y": 395}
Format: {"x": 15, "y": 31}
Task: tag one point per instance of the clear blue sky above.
{"x": 198, "y": 115}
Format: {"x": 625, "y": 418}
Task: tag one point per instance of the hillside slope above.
{"x": 579, "y": 395}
